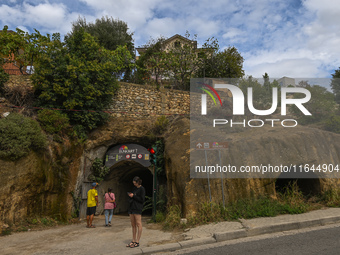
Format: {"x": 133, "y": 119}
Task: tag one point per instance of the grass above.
{"x": 290, "y": 201}
{"x": 29, "y": 224}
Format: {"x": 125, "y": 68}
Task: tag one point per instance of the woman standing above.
{"x": 109, "y": 206}
{"x": 137, "y": 197}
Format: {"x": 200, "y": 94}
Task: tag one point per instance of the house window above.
{"x": 177, "y": 44}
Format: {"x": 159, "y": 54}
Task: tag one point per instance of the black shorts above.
{"x": 91, "y": 210}
{"x": 134, "y": 212}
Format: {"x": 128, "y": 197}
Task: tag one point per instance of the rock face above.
{"x": 39, "y": 184}
{"x": 274, "y": 146}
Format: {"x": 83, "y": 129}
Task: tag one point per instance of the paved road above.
{"x": 320, "y": 241}
{"x": 77, "y": 239}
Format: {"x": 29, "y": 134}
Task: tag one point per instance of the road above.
{"x": 78, "y": 240}
{"x": 320, "y": 240}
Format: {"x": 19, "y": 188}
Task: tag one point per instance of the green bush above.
{"x": 160, "y": 216}
{"x": 331, "y": 197}
{"x": 173, "y": 217}
{"x": 333, "y": 123}
{"x": 99, "y": 171}
{"x": 3, "y": 79}
{"x": 161, "y": 124}
{"x": 19, "y": 135}
{"x": 53, "y": 122}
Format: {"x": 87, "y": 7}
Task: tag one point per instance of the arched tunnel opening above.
{"x": 307, "y": 183}
{"x": 120, "y": 179}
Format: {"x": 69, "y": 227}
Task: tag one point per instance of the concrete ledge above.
{"x": 199, "y": 241}
{"x": 309, "y": 223}
{"x": 273, "y": 228}
{"x": 330, "y": 220}
{"x": 161, "y": 248}
{"x": 259, "y": 231}
{"x": 230, "y": 235}
{"x": 289, "y": 226}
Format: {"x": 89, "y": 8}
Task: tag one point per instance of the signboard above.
{"x": 133, "y": 152}
{"x": 211, "y": 145}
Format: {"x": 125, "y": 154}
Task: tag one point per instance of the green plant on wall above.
{"x": 99, "y": 171}
{"x": 3, "y": 79}
{"x": 53, "y": 122}
{"x": 19, "y": 136}
{"x": 76, "y": 204}
{"x": 160, "y": 158}
{"x": 161, "y": 124}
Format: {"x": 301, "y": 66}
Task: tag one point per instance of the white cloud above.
{"x": 161, "y": 27}
{"x": 277, "y": 37}
{"x": 45, "y": 17}
{"x": 292, "y": 67}
{"x": 135, "y": 13}
{"x": 48, "y": 15}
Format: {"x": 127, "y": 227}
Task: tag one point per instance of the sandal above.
{"x": 135, "y": 245}
{"x": 131, "y": 244}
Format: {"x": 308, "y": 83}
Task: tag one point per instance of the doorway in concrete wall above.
{"x": 120, "y": 180}
{"x": 308, "y": 184}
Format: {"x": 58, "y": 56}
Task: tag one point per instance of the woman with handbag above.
{"x": 110, "y": 204}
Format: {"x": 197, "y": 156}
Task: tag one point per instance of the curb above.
{"x": 241, "y": 233}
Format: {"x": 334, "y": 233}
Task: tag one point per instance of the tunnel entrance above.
{"x": 308, "y": 184}
{"x": 120, "y": 181}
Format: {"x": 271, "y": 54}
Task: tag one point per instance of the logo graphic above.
{"x": 215, "y": 143}
{"x": 204, "y": 97}
{"x": 127, "y": 156}
{"x": 123, "y": 147}
{"x": 238, "y": 100}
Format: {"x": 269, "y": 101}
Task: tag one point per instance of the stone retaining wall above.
{"x": 135, "y": 100}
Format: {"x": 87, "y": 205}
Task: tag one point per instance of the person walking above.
{"x": 109, "y": 206}
{"x": 92, "y": 202}
{"x": 136, "y": 202}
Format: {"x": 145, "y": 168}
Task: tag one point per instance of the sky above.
{"x": 292, "y": 38}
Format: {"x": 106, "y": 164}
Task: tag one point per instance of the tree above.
{"x": 151, "y": 62}
{"x": 225, "y": 64}
{"x": 21, "y": 48}
{"x": 220, "y": 64}
{"x": 110, "y": 33}
{"x": 266, "y": 81}
{"x": 303, "y": 84}
{"x": 321, "y": 105}
{"x": 182, "y": 62}
{"x": 250, "y": 82}
{"x": 79, "y": 76}
{"x": 262, "y": 94}
{"x": 335, "y": 85}
{"x": 175, "y": 63}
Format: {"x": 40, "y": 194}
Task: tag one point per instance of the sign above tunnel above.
{"x": 133, "y": 152}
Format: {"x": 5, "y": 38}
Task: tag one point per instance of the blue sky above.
{"x": 281, "y": 37}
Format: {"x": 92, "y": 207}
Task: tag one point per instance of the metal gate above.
{"x": 84, "y": 189}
